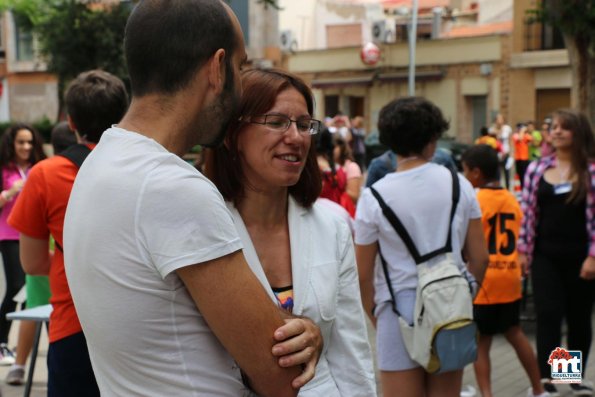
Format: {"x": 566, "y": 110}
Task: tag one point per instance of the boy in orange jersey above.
{"x": 497, "y": 304}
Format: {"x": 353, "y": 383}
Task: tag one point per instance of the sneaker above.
{"x": 6, "y": 355}
{"x": 582, "y": 389}
{"x": 550, "y": 388}
{"x": 468, "y": 391}
{"x": 530, "y": 393}
{"x": 16, "y": 376}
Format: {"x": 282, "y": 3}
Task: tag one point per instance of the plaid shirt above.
{"x": 535, "y": 171}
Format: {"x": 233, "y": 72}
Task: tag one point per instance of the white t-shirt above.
{"x": 136, "y": 214}
{"x": 504, "y": 137}
{"x": 422, "y": 199}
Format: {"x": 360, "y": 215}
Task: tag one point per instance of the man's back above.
{"x": 38, "y": 213}
{"x": 139, "y": 229}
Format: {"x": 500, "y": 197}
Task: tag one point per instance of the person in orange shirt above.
{"x": 497, "y": 304}
{"x": 521, "y": 140}
{"x": 486, "y": 139}
{"x": 94, "y": 101}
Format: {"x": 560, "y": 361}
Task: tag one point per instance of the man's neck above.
{"x": 159, "y": 119}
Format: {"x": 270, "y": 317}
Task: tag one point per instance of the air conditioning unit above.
{"x": 384, "y": 31}
{"x": 287, "y": 42}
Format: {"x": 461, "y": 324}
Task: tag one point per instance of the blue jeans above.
{"x": 69, "y": 368}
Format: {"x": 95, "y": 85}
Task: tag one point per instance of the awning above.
{"x": 424, "y": 75}
{"x": 343, "y": 81}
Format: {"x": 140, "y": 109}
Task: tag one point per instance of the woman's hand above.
{"x": 299, "y": 343}
{"x": 588, "y": 269}
{"x": 16, "y": 187}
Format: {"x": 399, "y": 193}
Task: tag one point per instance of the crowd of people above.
{"x": 254, "y": 276}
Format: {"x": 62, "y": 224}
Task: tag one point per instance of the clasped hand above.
{"x": 299, "y": 342}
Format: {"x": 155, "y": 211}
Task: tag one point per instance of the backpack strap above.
{"x": 76, "y": 154}
{"x": 396, "y": 223}
{"x": 388, "y": 283}
{"x": 402, "y": 232}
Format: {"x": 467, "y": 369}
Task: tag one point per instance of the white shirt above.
{"x": 136, "y": 214}
{"x": 422, "y": 199}
{"x": 326, "y": 290}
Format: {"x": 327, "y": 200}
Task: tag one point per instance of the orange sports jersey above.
{"x": 501, "y": 218}
{"x": 39, "y": 212}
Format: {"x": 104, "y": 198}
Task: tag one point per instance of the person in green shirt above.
{"x": 535, "y": 145}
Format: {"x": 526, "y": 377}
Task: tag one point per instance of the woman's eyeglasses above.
{"x": 281, "y": 123}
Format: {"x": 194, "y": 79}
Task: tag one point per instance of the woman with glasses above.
{"x": 302, "y": 255}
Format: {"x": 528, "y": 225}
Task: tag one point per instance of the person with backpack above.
{"x": 433, "y": 205}
{"x": 498, "y": 303}
{"x": 94, "y": 101}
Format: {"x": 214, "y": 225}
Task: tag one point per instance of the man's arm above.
{"x": 244, "y": 319}
{"x": 35, "y": 255}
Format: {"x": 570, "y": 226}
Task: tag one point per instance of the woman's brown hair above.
{"x": 260, "y": 91}
{"x": 582, "y": 150}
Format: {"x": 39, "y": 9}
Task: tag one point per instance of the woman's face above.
{"x": 560, "y": 138}
{"x": 272, "y": 158}
{"x": 23, "y": 144}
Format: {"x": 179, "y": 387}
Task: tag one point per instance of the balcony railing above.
{"x": 539, "y": 36}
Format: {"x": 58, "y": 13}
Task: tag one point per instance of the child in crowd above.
{"x": 497, "y": 305}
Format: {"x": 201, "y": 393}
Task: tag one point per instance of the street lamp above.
{"x": 412, "y": 36}
{"x": 412, "y": 41}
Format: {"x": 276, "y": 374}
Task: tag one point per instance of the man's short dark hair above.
{"x": 94, "y": 101}
{"x": 485, "y": 158}
{"x": 166, "y": 42}
{"x": 407, "y": 125}
{"x": 62, "y": 137}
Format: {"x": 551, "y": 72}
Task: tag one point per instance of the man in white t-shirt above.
{"x": 164, "y": 295}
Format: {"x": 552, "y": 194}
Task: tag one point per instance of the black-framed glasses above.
{"x": 281, "y": 123}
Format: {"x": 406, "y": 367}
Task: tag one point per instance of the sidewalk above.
{"x": 40, "y": 376}
{"x": 508, "y": 376}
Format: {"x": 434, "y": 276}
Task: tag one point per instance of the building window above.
{"x": 331, "y": 105}
{"x": 24, "y": 43}
{"x": 541, "y": 35}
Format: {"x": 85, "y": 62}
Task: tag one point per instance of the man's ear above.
{"x": 476, "y": 175}
{"x": 73, "y": 128}
{"x": 217, "y": 69}
{"x": 70, "y": 123}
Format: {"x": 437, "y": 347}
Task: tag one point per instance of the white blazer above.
{"x": 326, "y": 290}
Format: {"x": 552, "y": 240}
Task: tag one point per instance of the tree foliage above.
{"x": 576, "y": 20}
{"x": 74, "y": 36}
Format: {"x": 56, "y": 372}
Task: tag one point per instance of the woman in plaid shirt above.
{"x": 558, "y": 239}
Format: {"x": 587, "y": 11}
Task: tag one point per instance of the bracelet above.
{"x": 4, "y": 195}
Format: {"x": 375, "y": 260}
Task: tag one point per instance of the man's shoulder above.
{"x": 497, "y": 198}
{"x": 51, "y": 166}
